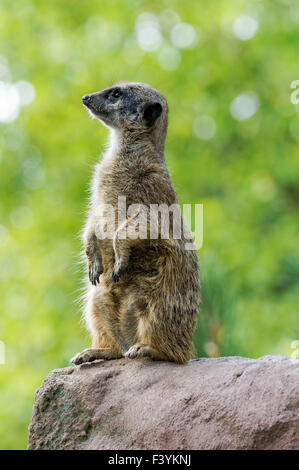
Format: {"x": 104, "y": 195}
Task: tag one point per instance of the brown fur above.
{"x": 152, "y": 309}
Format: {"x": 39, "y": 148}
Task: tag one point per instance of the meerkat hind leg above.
{"x": 90, "y": 355}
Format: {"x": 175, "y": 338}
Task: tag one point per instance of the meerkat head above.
{"x": 130, "y": 106}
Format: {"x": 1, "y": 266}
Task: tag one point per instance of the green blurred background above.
{"x": 225, "y": 68}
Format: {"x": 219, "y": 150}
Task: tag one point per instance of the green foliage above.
{"x": 246, "y": 174}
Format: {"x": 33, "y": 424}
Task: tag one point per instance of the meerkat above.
{"x": 143, "y": 294}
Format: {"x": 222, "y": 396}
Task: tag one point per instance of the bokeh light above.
{"x": 245, "y": 27}
{"x": 183, "y": 35}
{"x": 244, "y": 106}
{"x": 9, "y": 102}
{"x": 26, "y": 92}
{"x": 13, "y": 95}
{"x": 204, "y": 127}
{"x": 148, "y": 33}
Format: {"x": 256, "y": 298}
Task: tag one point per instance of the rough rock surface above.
{"x": 223, "y": 403}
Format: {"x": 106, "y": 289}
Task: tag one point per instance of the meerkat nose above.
{"x": 86, "y": 99}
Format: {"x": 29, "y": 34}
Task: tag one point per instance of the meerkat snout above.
{"x": 85, "y": 99}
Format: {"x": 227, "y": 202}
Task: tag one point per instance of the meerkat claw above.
{"x": 115, "y": 276}
{"x": 94, "y": 276}
{"x": 95, "y": 280}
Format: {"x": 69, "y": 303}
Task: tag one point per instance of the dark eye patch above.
{"x": 115, "y": 94}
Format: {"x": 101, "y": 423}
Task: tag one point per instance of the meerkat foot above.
{"x": 141, "y": 350}
{"x": 95, "y": 270}
{"x": 90, "y": 355}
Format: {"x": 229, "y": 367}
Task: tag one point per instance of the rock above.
{"x": 222, "y": 403}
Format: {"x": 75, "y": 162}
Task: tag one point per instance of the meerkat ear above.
{"x": 151, "y": 113}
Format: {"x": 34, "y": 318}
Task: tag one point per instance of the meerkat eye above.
{"x": 115, "y": 94}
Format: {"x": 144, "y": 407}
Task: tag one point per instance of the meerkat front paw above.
{"x": 115, "y": 276}
{"x": 95, "y": 270}
{"x": 118, "y": 270}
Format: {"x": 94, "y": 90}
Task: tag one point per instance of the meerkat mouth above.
{"x": 95, "y": 113}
